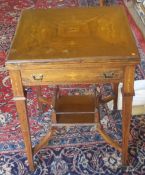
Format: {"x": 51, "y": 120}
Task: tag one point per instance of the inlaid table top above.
{"x": 73, "y": 33}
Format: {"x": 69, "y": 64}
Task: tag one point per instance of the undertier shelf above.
{"x": 75, "y": 109}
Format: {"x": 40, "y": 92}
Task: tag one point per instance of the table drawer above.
{"x": 70, "y": 75}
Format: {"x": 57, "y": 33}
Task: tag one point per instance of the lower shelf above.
{"x": 75, "y": 109}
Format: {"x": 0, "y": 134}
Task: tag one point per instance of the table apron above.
{"x": 61, "y": 76}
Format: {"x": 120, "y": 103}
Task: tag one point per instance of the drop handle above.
{"x": 108, "y": 75}
{"x": 38, "y": 77}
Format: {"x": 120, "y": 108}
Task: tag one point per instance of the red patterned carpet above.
{"x": 10, "y": 134}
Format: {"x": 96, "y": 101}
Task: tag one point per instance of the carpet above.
{"x": 74, "y": 150}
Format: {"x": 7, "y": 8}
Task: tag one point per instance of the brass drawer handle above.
{"x": 38, "y": 77}
{"x": 108, "y": 75}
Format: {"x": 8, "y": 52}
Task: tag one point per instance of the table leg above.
{"x": 115, "y": 90}
{"x": 128, "y": 92}
{"x": 19, "y": 98}
{"x": 24, "y": 123}
{"x": 126, "y": 120}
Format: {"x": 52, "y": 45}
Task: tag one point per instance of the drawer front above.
{"x": 55, "y": 76}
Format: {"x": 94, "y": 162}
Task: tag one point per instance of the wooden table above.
{"x": 68, "y": 46}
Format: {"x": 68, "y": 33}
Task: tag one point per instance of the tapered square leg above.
{"x": 126, "y": 120}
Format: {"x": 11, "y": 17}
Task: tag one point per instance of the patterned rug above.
{"x": 81, "y": 150}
